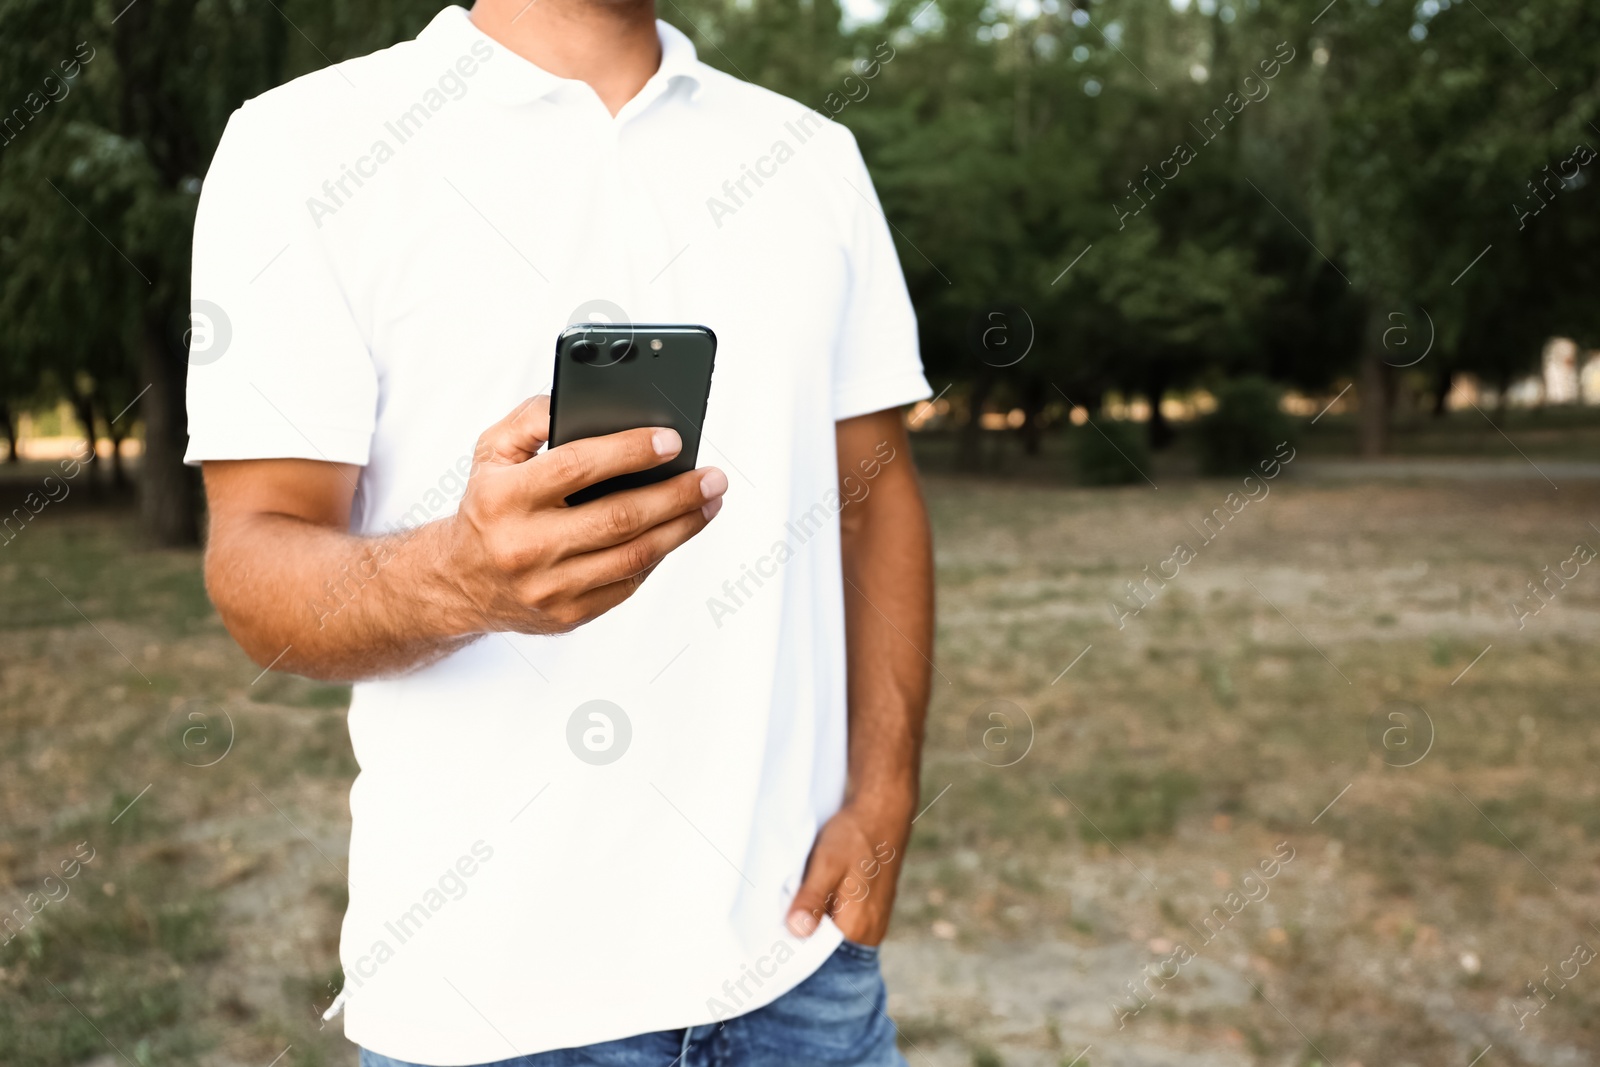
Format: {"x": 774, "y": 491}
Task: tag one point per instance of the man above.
{"x": 600, "y": 818}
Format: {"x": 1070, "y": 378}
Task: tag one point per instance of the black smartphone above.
{"x": 615, "y": 377}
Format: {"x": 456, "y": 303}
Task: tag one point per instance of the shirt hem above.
{"x": 880, "y": 395}
{"x": 329, "y": 444}
{"x": 474, "y": 1052}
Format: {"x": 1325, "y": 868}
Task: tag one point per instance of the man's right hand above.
{"x": 527, "y": 562}
{"x": 301, "y": 593}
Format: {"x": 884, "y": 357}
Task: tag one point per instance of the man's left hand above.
{"x": 851, "y": 875}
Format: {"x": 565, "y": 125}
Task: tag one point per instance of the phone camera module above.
{"x": 600, "y": 351}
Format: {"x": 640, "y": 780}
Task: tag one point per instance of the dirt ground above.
{"x": 1316, "y": 793}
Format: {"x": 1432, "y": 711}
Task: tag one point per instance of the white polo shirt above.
{"x": 384, "y": 254}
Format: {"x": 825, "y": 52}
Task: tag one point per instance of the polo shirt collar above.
{"x": 678, "y": 57}
{"x": 512, "y": 79}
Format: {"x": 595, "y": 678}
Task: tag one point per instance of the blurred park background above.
{"x": 1309, "y": 289}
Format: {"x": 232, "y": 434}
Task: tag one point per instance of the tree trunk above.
{"x": 1032, "y": 429}
{"x": 1392, "y": 387}
{"x": 1159, "y": 431}
{"x": 1442, "y": 382}
{"x": 83, "y": 410}
{"x": 1373, "y": 390}
{"x": 969, "y": 445}
{"x": 119, "y": 473}
{"x": 9, "y": 425}
{"x": 168, "y": 499}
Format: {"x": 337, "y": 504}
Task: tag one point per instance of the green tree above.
{"x": 114, "y": 166}
{"x": 1437, "y": 119}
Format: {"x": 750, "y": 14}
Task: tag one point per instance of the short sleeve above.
{"x": 877, "y": 364}
{"x": 278, "y": 368}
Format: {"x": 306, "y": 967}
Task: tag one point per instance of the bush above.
{"x": 1246, "y": 428}
{"x": 1111, "y": 453}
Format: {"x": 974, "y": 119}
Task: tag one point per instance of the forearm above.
{"x": 888, "y": 571}
{"x": 296, "y": 590}
{"x": 887, "y": 559}
{"x": 326, "y": 604}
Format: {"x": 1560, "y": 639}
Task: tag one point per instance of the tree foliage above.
{"x": 1176, "y": 193}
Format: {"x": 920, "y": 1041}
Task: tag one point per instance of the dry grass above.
{"x": 1221, "y": 721}
{"x": 1172, "y": 758}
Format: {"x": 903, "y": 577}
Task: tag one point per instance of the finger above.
{"x": 852, "y": 889}
{"x": 811, "y": 902}
{"x": 560, "y": 472}
{"x": 859, "y": 923}
{"x": 518, "y": 436}
{"x": 855, "y": 928}
{"x": 596, "y": 602}
{"x": 594, "y": 570}
{"x": 622, "y": 517}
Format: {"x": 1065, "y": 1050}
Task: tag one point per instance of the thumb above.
{"x": 823, "y": 872}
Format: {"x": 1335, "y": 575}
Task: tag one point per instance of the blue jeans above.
{"x": 836, "y": 1017}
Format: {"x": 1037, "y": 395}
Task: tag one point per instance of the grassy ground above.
{"x": 1221, "y": 721}
{"x": 1086, "y": 839}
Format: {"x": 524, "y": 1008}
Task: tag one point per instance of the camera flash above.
{"x": 655, "y": 345}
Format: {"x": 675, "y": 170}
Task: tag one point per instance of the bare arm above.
{"x": 295, "y": 588}
{"x": 888, "y": 591}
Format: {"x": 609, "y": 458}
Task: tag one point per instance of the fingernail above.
{"x": 711, "y": 509}
{"x": 801, "y": 924}
{"x": 713, "y": 484}
{"x": 666, "y": 442}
